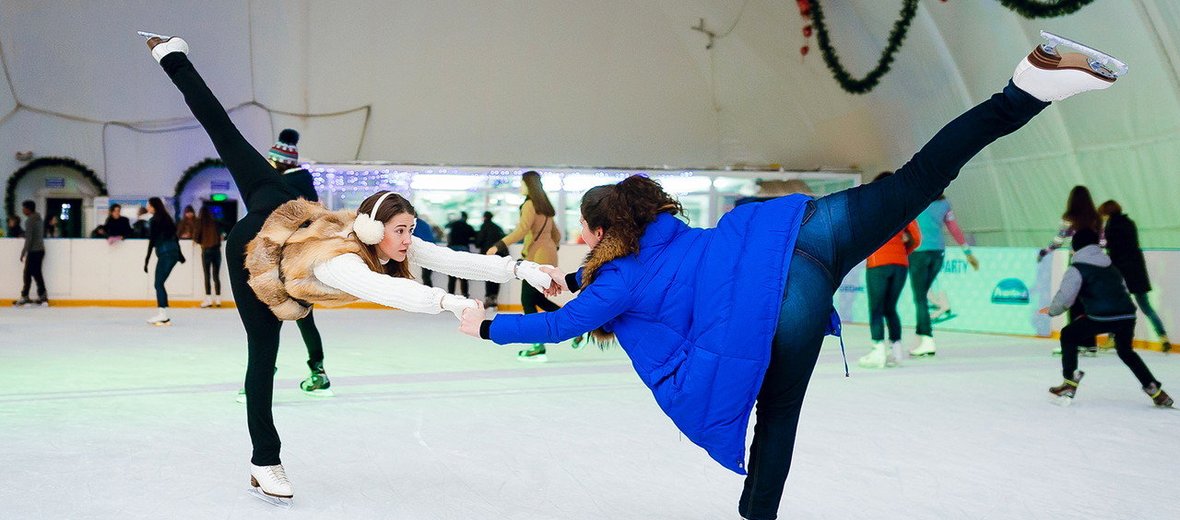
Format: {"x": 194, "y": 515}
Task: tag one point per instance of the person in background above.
{"x": 1093, "y": 279}
{"x": 207, "y": 235}
{"x": 33, "y": 255}
{"x": 52, "y": 227}
{"x": 885, "y": 278}
{"x": 14, "y": 229}
{"x": 117, "y": 226}
{"x": 187, "y": 224}
{"x": 99, "y": 232}
{"x": 163, "y": 241}
{"x": 1080, "y": 214}
{"x": 460, "y": 236}
{"x": 926, "y": 263}
{"x": 538, "y": 230}
{"x": 142, "y": 221}
{"x": 1122, "y": 242}
{"x": 489, "y": 234}
{"x": 424, "y": 231}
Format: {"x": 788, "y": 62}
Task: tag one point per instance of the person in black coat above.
{"x": 117, "y": 226}
{"x": 1122, "y": 243}
{"x": 490, "y": 233}
{"x": 460, "y": 236}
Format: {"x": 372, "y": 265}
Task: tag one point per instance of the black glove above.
{"x": 182, "y": 259}
{"x": 145, "y": 264}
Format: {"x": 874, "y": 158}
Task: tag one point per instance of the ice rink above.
{"x": 103, "y": 416}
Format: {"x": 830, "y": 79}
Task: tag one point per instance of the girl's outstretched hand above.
{"x": 558, "y": 285}
{"x": 471, "y": 320}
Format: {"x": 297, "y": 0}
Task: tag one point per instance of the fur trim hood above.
{"x": 281, "y": 260}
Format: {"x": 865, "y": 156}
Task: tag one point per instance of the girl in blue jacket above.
{"x": 716, "y": 319}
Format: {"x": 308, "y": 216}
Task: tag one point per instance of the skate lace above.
{"x": 278, "y": 474}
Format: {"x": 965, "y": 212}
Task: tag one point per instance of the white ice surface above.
{"x": 103, "y": 416}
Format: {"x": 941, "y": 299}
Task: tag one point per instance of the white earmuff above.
{"x": 368, "y": 229}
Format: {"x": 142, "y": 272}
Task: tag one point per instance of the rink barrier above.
{"x": 225, "y": 304}
{"x": 1001, "y": 298}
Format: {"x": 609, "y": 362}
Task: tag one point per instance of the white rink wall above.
{"x": 93, "y": 271}
{"x": 90, "y": 271}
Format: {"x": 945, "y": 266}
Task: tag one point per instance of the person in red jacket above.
{"x": 886, "y": 275}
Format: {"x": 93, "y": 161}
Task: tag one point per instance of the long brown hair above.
{"x": 161, "y": 211}
{"x": 1080, "y": 211}
{"x": 393, "y": 206}
{"x": 532, "y": 180}
{"x": 207, "y": 224}
{"x": 622, "y": 211}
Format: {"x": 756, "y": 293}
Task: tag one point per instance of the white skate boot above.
{"x": 161, "y": 318}
{"x": 1050, "y": 76}
{"x": 925, "y": 347}
{"x": 875, "y": 358}
{"x": 167, "y": 45}
{"x": 893, "y": 357}
{"x": 270, "y": 483}
{"x": 207, "y": 302}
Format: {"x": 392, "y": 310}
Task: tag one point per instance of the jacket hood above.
{"x": 1093, "y": 255}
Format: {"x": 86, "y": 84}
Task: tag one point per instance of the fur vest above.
{"x": 297, "y": 237}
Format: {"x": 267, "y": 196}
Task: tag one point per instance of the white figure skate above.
{"x": 925, "y": 347}
{"x": 876, "y": 358}
{"x": 1048, "y": 75}
{"x": 169, "y": 45}
{"x": 269, "y": 483}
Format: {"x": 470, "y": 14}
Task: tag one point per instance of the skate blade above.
{"x": 922, "y": 355}
{"x": 322, "y": 392}
{"x": 1060, "y": 400}
{"x": 541, "y": 358}
{"x": 280, "y": 502}
{"x": 1101, "y": 62}
{"x": 161, "y": 323}
{"x": 150, "y": 35}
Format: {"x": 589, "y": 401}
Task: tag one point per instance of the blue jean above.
{"x": 838, "y": 232}
{"x": 167, "y": 255}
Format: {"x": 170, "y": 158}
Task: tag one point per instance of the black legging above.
{"x": 263, "y": 190}
{"x": 311, "y": 338}
{"x": 211, "y": 268}
{"x": 531, "y": 298}
{"x": 1080, "y": 332}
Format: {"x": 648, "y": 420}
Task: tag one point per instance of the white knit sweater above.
{"x": 349, "y": 273}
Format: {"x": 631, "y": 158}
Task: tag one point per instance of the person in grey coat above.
{"x": 33, "y": 255}
{"x": 1097, "y": 284}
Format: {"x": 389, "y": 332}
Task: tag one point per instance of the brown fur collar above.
{"x": 607, "y": 249}
{"x": 297, "y": 237}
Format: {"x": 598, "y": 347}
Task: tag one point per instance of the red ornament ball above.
{"x": 804, "y": 50}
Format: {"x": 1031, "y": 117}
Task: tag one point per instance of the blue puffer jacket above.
{"x": 696, "y": 310}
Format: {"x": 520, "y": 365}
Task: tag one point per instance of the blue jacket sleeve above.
{"x": 601, "y": 301}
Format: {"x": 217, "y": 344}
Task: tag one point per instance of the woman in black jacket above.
{"x": 1122, "y": 242}
{"x": 162, "y": 239}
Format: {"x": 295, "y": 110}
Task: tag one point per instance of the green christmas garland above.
{"x": 192, "y": 171}
{"x": 1025, "y": 8}
{"x": 1035, "y": 9}
{"x": 65, "y": 162}
{"x": 846, "y": 81}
